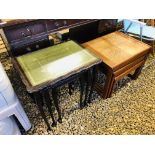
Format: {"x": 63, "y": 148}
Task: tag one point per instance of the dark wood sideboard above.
{"x": 23, "y": 36}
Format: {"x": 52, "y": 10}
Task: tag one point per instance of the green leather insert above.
{"x": 54, "y": 62}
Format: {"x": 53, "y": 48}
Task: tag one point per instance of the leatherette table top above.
{"x": 117, "y": 48}
{"x": 54, "y": 63}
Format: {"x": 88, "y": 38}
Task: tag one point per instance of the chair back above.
{"x": 133, "y": 26}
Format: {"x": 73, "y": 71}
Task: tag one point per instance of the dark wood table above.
{"x": 121, "y": 54}
{"x": 28, "y": 35}
{"x": 52, "y": 67}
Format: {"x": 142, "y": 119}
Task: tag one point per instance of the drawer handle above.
{"x": 65, "y": 22}
{"x": 56, "y": 24}
{"x": 37, "y": 47}
{"x": 23, "y": 34}
{"x": 28, "y": 49}
{"x": 28, "y": 30}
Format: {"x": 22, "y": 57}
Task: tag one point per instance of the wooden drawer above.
{"x": 23, "y": 31}
{"x": 57, "y": 24}
{"x": 21, "y": 49}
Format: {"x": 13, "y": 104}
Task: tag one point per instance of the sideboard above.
{"x": 27, "y": 35}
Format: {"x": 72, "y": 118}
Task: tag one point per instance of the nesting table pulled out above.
{"x": 121, "y": 54}
{"x": 52, "y": 67}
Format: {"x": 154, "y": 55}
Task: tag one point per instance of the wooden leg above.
{"x": 82, "y": 83}
{"x": 48, "y": 103}
{"x": 38, "y": 99}
{"x": 88, "y": 76}
{"x": 56, "y": 103}
{"x": 106, "y": 90}
{"x": 136, "y": 73}
{"x": 153, "y": 46}
{"x": 93, "y": 80}
{"x": 71, "y": 88}
{"x": 111, "y": 88}
{"x": 31, "y": 95}
{"x": 107, "y": 85}
{"x": 138, "y": 70}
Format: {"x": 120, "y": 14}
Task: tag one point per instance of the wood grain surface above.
{"x": 116, "y": 48}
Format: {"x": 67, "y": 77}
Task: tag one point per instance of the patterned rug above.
{"x": 130, "y": 110}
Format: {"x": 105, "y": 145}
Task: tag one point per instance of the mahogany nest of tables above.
{"x": 121, "y": 54}
{"x": 52, "y": 67}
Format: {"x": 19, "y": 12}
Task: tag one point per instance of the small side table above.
{"x": 121, "y": 54}
{"x": 51, "y": 67}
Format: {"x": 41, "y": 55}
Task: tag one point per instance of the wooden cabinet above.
{"x": 106, "y": 26}
{"x": 29, "y": 35}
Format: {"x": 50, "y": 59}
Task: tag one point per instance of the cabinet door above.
{"x": 85, "y": 32}
{"x": 106, "y": 26}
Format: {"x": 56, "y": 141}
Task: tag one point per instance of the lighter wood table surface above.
{"x": 120, "y": 54}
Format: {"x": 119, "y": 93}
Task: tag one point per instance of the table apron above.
{"x": 130, "y": 65}
{"x": 141, "y": 63}
{"x": 64, "y": 81}
{"x": 144, "y": 53}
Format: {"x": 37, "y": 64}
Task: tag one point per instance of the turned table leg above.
{"x": 56, "y": 103}
{"x": 82, "y": 83}
{"x": 48, "y": 103}
{"x": 87, "y": 82}
{"x": 93, "y": 80}
{"x": 71, "y": 88}
{"x": 38, "y": 100}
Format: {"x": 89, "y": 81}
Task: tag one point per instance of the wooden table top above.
{"x": 117, "y": 48}
{"x": 55, "y": 63}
